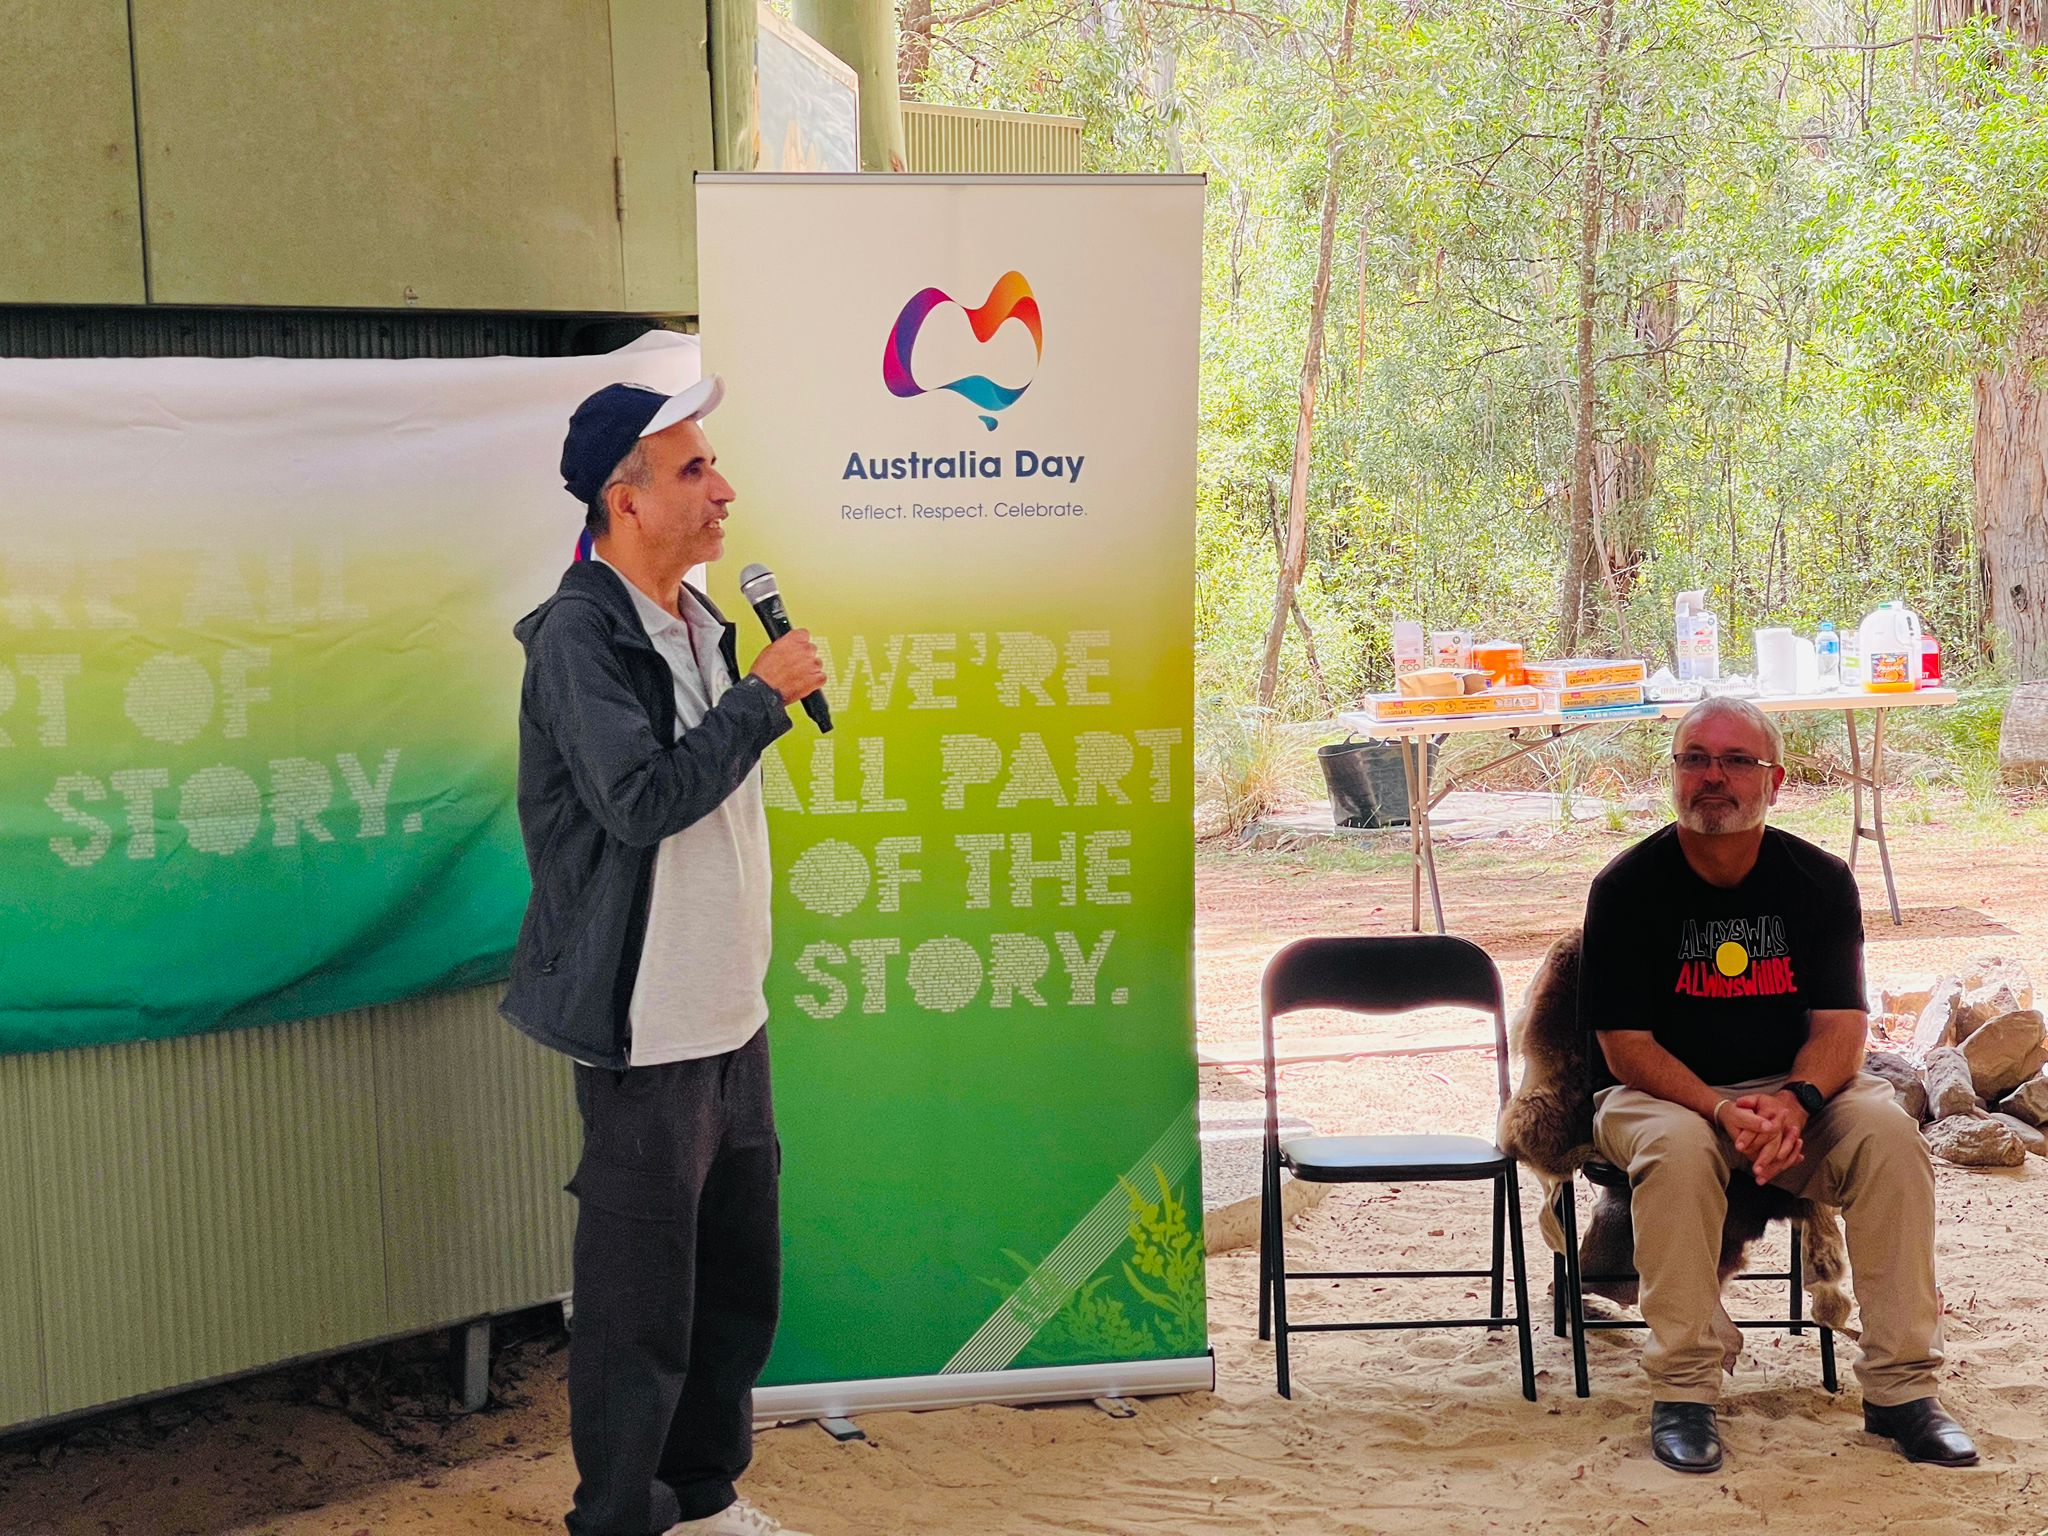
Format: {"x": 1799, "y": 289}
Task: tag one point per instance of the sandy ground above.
{"x": 1391, "y": 1432}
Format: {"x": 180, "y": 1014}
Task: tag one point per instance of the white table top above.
{"x": 1544, "y": 719}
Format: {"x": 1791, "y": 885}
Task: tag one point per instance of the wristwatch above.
{"x": 1810, "y": 1098}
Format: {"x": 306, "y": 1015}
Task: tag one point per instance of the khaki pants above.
{"x": 1863, "y": 1154}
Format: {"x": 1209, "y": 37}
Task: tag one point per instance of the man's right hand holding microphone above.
{"x": 791, "y": 666}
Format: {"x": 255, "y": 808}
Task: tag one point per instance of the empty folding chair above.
{"x": 1380, "y": 976}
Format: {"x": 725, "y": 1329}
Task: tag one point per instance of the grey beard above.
{"x": 1716, "y": 821}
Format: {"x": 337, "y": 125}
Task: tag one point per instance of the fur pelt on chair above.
{"x": 1548, "y": 1125}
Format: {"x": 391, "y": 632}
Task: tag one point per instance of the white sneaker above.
{"x": 738, "y": 1518}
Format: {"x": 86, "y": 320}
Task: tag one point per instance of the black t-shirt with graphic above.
{"x": 1722, "y": 978}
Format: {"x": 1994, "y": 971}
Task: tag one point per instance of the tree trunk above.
{"x": 2009, "y": 464}
{"x": 1308, "y": 636}
{"x": 1625, "y": 472}
{"x": 1296, "y": 553}
{"x": 1165, "y": 63}
{"x": 914, "y": 45}
{"x": 1581, "y": 556}
{"x": 2009, "y": 440}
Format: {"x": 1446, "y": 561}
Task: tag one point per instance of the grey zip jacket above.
{"x": 603, "y": 778}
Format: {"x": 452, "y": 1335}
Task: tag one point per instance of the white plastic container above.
{"x": 1777, "y": 661}
{"x": 1890, "y": 642}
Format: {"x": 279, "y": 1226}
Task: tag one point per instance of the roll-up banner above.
{"x": 960, "y": 415}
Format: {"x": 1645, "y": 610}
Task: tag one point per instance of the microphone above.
{"x": 757, "y": 586}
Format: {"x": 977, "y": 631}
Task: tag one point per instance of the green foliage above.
{"x": 1932, "y": 238}
{"x": 1246, "y": 764}
{"x": 1808, "y": 238}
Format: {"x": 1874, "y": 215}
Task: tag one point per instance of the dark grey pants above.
{"x": 678, "y": 1279}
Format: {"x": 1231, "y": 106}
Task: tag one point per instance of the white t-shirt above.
{"x": 698, "y": 992}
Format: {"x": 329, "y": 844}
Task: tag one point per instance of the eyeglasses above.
{"x": 1727, "y": 762}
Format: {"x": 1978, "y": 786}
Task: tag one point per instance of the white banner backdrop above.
{"x": 258, "y": 686}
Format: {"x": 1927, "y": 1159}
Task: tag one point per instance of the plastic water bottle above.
{"x": 1827, "y": 651}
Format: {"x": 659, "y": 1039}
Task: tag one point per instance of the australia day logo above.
{"x": 1010, "y": 299}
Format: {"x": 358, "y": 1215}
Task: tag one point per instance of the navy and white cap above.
{"x": 608, "y": 424}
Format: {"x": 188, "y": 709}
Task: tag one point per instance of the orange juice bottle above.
{"x": 1891, "y": 649}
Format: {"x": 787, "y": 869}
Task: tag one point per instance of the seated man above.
{"x": 1723, "y": 972}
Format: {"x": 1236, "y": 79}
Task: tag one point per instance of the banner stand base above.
{"x": 1037, "y": 1384}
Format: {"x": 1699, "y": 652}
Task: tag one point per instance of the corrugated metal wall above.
{"x": 186, "y": 1209}
{"x": 181, "y": 1210}
{"x": 965, "y": 141}
{"x": 21, "y": 1314}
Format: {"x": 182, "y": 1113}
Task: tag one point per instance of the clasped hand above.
{"x": 1766, "y": 1128}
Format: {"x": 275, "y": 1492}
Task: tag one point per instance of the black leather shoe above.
{"x": 1923, "y": 1431}
{"x": 1685, "y": 1437}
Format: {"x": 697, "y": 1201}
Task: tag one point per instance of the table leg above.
{"x": 1419, "y": 817}
{"x": 1873, "y": 780}
{"x": 1855, "y": 787}
{"x": 1884, "y": 851}
{"x": 1417, "y": 822}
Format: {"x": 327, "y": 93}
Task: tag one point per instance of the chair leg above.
{"x": 1511, "y": 1198}
{"x": 1266, "y": 1215}
{"x": 1500, "y": 1222}
{"x": 1798, "y": 1298}
{"x": 1575, "y": 1299}
{"x": 1828, "y": 1378}
{"x": 1277, "y": 1274}
{"x": 1557, "y": 1296}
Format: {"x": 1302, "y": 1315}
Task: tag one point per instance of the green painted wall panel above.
{"x": 70, "y": 226}
{"x": 662, "y": 89}
{"x": 479, "y": 1133}
{"x": 21, "y": 1340}
{"x": 379, "y": 154}
{"x": 203, "y": 1205}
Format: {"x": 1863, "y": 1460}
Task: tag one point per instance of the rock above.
{"x": 2032, "y": 1137}
{"x": 1950, "y": 1089}
{"x": 1982, "y": 971}
{"x": 1904, "y": 1078}
{"x": 1937, "y": 1022}
{"x": 1892, "y": 1028}
{"x": 1907, "y": 994}
{"x": 1981, "y": 1006}
{"x": 1975, "y": 1141}
{"x": 2028, "y": 1102}
{"x": 2006, "y": 1052}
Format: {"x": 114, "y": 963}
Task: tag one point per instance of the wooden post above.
{"x": 862, "y": 34}
{"x": 735, "y": 128}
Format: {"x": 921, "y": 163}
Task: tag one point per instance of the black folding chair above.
{"x": 1376, "y": 976}
{"x": 1568, "y": 1285}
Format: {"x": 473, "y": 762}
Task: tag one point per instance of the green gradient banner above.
{"x": 258, "y": 688}
{"x": 960, "y": 416}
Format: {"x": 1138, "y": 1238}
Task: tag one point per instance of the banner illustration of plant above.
{"x": 1148, "y": 1301}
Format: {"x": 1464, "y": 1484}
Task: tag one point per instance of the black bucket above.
{"x": 1368, "y": 786}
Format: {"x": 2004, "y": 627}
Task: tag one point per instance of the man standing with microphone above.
{"x": 642, "y": 956}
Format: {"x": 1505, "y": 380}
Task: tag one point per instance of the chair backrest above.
{"x": 1391, "y": 974}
